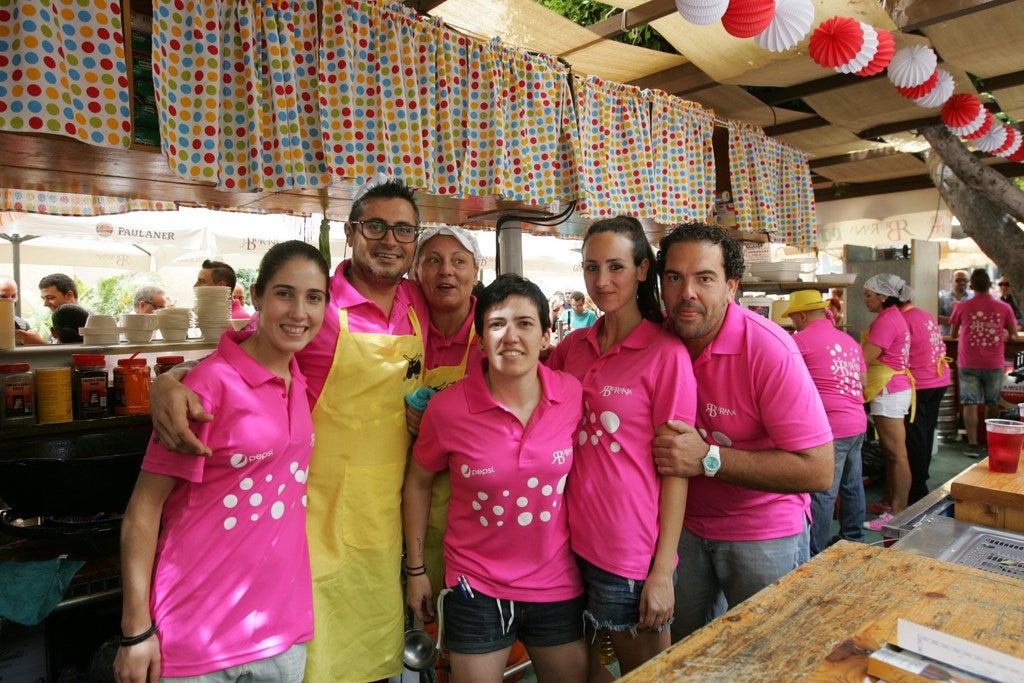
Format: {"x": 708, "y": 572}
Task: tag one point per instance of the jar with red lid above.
{"x": 19, "y": 392}
{"x": 89, "y": 382}
{"x": 165, "y": 363}
{"x": 131, "y": 385}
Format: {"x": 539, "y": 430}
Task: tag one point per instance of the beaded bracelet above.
{"x": 135, "y": 640}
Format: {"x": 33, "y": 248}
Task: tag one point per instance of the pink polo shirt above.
{"x": 232, "y": 581}
{"x": 753, "y": 393}
{"x": 508, "y": 530}
{"x": 445, "y": 351}
{"x": 983, "y": 320}
{"x": 835, "y": 361}
{"x": 889, "y": 331}
{"x": 363, "y": 316}
{"x": 926, "y": 348}
{"x": 614, "y": 488}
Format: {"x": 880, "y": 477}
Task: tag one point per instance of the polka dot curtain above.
{"x": 684, "y": 160}
{"x": 63, "y": 204}
{"x": 643, "y": 153}
{"x": 771, "y": 187}
{"x": 615, "y": 164}
{"x": 63, "y": 70}
{"x": 403, "y": 95}
{"x": 236, "y": 91}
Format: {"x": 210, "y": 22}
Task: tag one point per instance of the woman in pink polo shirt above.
{"x": 209, "y": 543}
{"x": 505, "y": 433}
{"x": 889, "y": 387}
{"x": 624, "y": 519}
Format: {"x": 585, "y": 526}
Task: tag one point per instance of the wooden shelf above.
{"x": 101, "y": 424}
{"x": 775, "y": 287}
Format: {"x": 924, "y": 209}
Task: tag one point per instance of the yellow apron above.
{"x": 354, "y": 519}
{"x": 878, "y": 378}
{"x": 433, "y": 546}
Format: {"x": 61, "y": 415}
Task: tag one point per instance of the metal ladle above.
{"x": 420, "y": 653}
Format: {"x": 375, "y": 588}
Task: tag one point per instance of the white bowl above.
{"x": 174, "y": 332}
{"x": 93, "y": 338}
{"x": 139, "y": 321}
{"x": 100, "y": 323}
{"x": 212, "y": 332}
{"x": 138, "y": 336}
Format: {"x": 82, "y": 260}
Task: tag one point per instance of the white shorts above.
{"x": 892, "y": 405}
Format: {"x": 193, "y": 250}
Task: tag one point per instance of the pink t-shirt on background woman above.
{"x": 889, "y": 332}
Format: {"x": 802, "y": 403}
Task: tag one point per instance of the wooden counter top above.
{"x": 990, "y": 498}
{"x": 821, "y": 620}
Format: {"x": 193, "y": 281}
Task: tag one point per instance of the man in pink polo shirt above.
{"x": 983, "y": 324}
{"x": 762, "y": 439}
{"x": 836, "y": 363}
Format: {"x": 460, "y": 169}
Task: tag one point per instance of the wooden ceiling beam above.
{"x": 816, "y": 87}
{"x": 423, "y": 6}
{"x": 798, "y": 126}
{"x": 863, "y": 155}
{"x": 629, "y": 19}
{"x": 1005, "y": 81}
{"x": 679, "y": 80}
{"x": 912, "y": 15}
{"x": 906, "y": 184}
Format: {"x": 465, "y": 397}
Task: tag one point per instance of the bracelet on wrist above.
{"x": 128, "y": 641}
{"x": 416, "y": 571}
{"x": 422, "y": 566}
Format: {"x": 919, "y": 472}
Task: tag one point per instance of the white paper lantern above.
{"x": 792, "y": 23}
{"x": 702, "y": 12}
{"x": 912, "y": 66}
{"x": 1012, "y": 144}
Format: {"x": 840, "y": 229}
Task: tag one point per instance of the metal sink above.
{"x": 969, "y": 545}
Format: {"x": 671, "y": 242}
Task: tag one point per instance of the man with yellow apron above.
{"x": 370, "y": 358}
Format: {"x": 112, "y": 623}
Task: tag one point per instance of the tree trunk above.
{"x": 984, "y": 221}
{"x": 994, "y": 185}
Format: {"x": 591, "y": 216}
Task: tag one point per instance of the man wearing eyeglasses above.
{"x": 150, "y": 299}
{"x": 368, "y": 355}
{"x": 948, "y": 299}
{"x": 1006, "y": 296}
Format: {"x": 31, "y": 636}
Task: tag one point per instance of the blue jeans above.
{"x": 848, "y": 484}
{"x": 717, "y": 575}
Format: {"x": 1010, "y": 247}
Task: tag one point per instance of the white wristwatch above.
{"x": 712, "y": 461}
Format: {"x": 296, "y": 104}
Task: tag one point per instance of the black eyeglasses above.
{"x": 960, "y": 279}
{"x": 1004, "y": 284}
{"x": 159, "y": 308}
{"x": 375, "y": 229}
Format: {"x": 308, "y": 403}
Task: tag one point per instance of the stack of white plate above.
{"x": 173, "y": 323}
{"x": 213, "y": 310}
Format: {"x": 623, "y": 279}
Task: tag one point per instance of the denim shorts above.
{"x": 613, "y": 601}
{"x": 980, "y": 386}
{"x": 895, "y": 405}
{"x": 482, "y": 624}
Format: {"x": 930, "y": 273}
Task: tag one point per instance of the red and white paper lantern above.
{"x": 883, "y": 55}
{"x": 1012, "y": 144}
{"x": 868, "y": 48}
{"x": 836, "y": 41}
{"x": 747, "y": 18}
{"x": 992, "y": 140}
{"x": 940, "y": 93}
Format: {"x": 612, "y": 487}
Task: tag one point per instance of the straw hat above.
{"x": 804, "y": 300}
